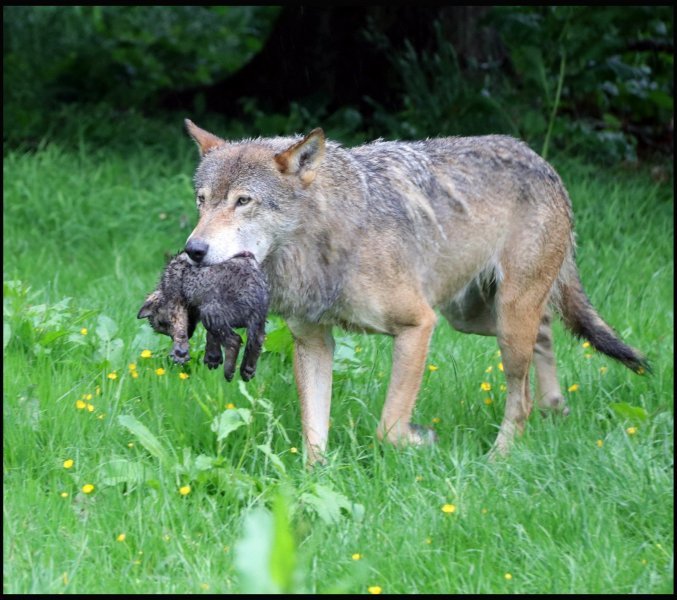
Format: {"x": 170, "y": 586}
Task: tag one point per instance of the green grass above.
{"x": 561, "y": 514}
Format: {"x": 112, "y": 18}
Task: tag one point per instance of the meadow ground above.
{"x": 197, "y": 484}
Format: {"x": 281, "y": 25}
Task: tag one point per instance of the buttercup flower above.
{"x": 631, "y": 430}
{"x": 230, "y": 406}
{"x": 185, "y": 490}
{"x": 293, "y": 450}
{"x": 489, "y": 369}
{"x": 83, "y": 331}
{"x": 112, "y": 375}
{"x": 88, "y": 488}
{"x": 183, "y": 376}
{"x": 599, "y": 443}
{"x": 90, "y": 407}
{"x": 80, "y": 405}
{"x": 67, "y": 464}
{"x": 500, "y": 366}
{"x": 146, "y": 354}
{"x": 356, "y": 556}
{"x": 159, "y": 372}
{"x": 586, "y": 344}
{"x": 603, "y": 370}
{"x": 64, "y": 494}
{"x": 574, "y": 388}
{"x": 432, "y": 367}
{"x": 448, "y": 508}
{"x": 486, "y": 386}
{"x": 121, "y": 537}
{"x": 374, "y": 589}
{"x": 508, "y": 576}
{"x": 436, "y": 419}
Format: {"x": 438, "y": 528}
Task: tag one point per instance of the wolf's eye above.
{"x": 200, "y": 199}
{"x": 242, "y": 200}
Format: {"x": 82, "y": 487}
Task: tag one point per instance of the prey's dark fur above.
{"x": 222, "y": 297}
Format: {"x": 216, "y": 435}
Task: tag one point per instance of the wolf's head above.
{"x": 248, "y": 193}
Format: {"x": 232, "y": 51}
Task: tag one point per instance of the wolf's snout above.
{"x": 197, "y": 250}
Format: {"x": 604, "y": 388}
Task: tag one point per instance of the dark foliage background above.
{"x": 596, "y": 82}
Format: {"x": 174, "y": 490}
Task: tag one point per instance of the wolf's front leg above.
{"x": 213, "y": 357}
{"x": 313, "y": 356}
{"x": 409, "y": 354}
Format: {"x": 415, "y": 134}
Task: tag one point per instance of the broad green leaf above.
{"x": 230, "y": 420}
{"x": 121, "y": 470}
{"x": 274, "y": 458}
{"x": 283, "y": 555}
{"x": 105, "y": 328}
{"x": 145, "y": 437}
{"x": 629, "y": 412}
{"x": 328, "y": 504}
{"x": 253, "y": 553}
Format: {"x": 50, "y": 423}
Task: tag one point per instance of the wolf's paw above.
{"x": 555, "y": 404}
{"x": 408, "y": 435}
{"x": 420, "y": 435}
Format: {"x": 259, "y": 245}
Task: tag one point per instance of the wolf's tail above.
{"x": 582, "y": 319}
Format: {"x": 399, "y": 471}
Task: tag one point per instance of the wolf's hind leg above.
{"x": 548, "y": 392}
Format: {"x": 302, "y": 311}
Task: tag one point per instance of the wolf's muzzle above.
{"x": 197, "y": 250}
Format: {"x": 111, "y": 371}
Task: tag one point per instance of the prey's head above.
{"x": 248, "y": 193}
{"x": 168, "y": 317}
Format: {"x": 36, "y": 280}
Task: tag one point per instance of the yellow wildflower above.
{"x": 64, "y": 494}
{"x": 428, "y": 541}
{"x": 436, "y": 419}
{"x": 631, "y": 430}
{"x": 83, "y": 331}
{"x": 500, "y": 366}
{"x": 358, "y": 349}
{"x": 88, "y": 488}
{"x": 448, "y": 508}
{"x": 230, "y": 406}
{"x": 586, "y": 344}
{"x": 130, "y": 445}
{"x": 185, "y": 490}
{"x": 356, "y": 556}
{"x": 574, "y": 388}
{"x": 67, "y": 464}
{"x": 488, "y": 401}
{"x": 87, "y": 397}
{"x": 134, "y": 374}
{"x": 502, "y": 387}
{"x": 121, "y": 537}
{"x": 293, "y": 450}
{"x": 419, "y": 477}
{"x": 603, "y": 370}
{"x": 600, "y": 443}
{"x": 131, "y": 366}
{"x": 432, "y": 367}
{"x": 183, "y": 376}
{"x": 80, "y": 405}
{"x": 486, "y": 386}
{"x": 101, "y": 416}
{"x": 508, "y": 576}
{"x": 112, "y": 375}
{"x": 146, "y": 354}
{"x": 374, "y": 589}
{"x": 90, "y": 407}
{"x": 159, "y": 372}
{"x": 98, "y": 390}
{"x": 489, "y": 369}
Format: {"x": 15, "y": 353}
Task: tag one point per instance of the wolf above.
{"x": 231, "y": 294}
{"x": 375, "y": 238}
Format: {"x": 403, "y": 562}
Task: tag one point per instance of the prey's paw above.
{"x": 247, "y": 372}
{"x": 228, "y": 372}
{"x": 213, "y": 359}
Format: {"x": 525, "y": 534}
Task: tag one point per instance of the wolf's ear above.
{"x": 205, "y": 141}
{"x": 148, "y": 306}
{"x": 304, "y": 157}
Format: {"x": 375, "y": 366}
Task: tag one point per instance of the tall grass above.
{"x": 583, "y": 504}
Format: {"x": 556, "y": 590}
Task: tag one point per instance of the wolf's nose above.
{"x": 197, "y": 249}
